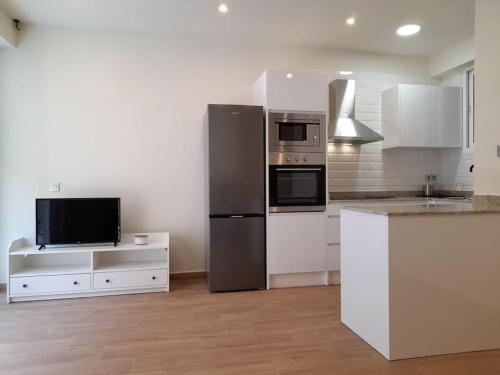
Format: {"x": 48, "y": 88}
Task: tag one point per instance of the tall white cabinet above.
{"x": 296, "y": 241}
{"x": 291, "y": 91}
{"x": 422, "y": 116}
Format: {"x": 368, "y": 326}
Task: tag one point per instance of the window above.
{"x": 469, "y": 107}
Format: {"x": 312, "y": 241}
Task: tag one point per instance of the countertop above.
{"x": 399, "y": 195}
{"x": 440, "y": 208}
{"x": 398, "y": 200}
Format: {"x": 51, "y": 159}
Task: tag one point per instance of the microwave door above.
{"x": 292, "y": 132}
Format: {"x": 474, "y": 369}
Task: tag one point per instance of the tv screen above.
{"x": 77, "y": 220}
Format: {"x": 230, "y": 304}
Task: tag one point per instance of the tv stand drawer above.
{"x": 130, "y": 279}
{"x": 50, "y": 284}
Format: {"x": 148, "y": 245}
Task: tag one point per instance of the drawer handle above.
{"x": 108, "y": 280}
{"x": 75, "y": 282}
{"x": 154, "y": 277}
{"x": 25, "y": 285}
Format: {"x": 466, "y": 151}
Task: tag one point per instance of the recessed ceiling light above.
{"x": 345, "y": 72}
{"x": 408, "y": 30}
{"x": 289, "y": 75}
{"x": 350, "y": 21}
{"x": 223, "y": 8}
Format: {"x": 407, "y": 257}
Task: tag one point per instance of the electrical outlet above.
{"x": 54, "y": 187}
{"x": 430, "y": 178}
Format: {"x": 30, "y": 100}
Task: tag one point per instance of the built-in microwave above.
{"x": 297, "y": 132}
{"x": 297, "y": 188}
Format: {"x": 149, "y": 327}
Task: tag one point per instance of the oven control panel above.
{"x": 291, "y": 158}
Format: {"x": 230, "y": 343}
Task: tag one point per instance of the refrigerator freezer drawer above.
{"x": 237, "y": 258}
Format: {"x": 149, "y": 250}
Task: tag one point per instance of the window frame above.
{"x": 468, "y": 126}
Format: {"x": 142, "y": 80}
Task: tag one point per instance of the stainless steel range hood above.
{"x": 343, "y": 127}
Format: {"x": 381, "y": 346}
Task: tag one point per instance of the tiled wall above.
{"x": 455, "y": 169}
{"x": 368, "y": 168}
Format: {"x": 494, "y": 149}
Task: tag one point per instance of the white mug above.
{"x": 141, "y": 239}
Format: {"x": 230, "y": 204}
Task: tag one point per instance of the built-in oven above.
{"x": 297, "y": 188}
{"x": 297, "y": 132}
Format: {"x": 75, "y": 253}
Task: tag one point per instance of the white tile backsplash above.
{"x": 368, "y": 168}
{"x": 455, "y": 169}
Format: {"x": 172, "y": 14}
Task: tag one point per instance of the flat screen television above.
{"x": 64, "y": 221}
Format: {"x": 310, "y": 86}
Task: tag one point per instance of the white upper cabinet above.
{"x": 422, "y": 116}
{"x": 292, "y": 91}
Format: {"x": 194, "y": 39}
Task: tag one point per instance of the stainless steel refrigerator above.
{"x": 236, "y": 150}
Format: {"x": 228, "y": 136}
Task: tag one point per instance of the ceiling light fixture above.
{"x": 345, "y": 72}
{"x": 289, "y": 75}
{"x": 350, "y": 21}
{"x": 223, "y": 8}
{"x": 408, "y": 30}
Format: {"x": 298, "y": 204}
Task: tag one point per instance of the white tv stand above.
{"x": 88, "y": 271}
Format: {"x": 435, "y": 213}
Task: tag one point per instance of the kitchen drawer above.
{"x": 130, "y": 279}
{"x": 333, "y": 257}
{"x": 333, "y": 230}
{"x": 50, "y": 284}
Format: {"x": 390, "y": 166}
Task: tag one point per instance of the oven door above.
{"x": 297, "y": 188}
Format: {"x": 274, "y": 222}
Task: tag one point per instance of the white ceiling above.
{"x": 297, "y": 22}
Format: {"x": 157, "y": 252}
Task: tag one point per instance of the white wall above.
{"x": 122, "y": 115}
{"x": 453, "y": 57}
{"x": 487, "y": 61}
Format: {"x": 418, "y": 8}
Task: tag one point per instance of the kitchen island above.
{"x": 421, "y": 280}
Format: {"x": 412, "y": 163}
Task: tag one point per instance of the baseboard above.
{"x": 292, "y": 280}
{"x": 334, "y": 278}
{"x": 188, "y": 275}
{"x": 115, "y": 292}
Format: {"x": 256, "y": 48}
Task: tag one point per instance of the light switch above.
{"x": 54, "y": 187}
{"x": 498, "y": 151}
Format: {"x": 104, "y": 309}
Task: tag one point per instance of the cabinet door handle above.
{"x": 108, "y": 280}
{"x": 154, "y": 277}
{"x": 25, "y": 285}
{"x": 75, "y": 282}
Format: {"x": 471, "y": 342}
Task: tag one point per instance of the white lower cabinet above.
{"x": 333, "y": 229}
{"x": 304, "y": 248}
{"x": 333, "y": 257}
{"x": 49, "y": 284}
{"x": 129, "y": 279}
{"x": 333, "y": 238}
{"x": 297, "y": 243}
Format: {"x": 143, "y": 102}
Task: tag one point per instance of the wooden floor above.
{"x": 189, "y": 331}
